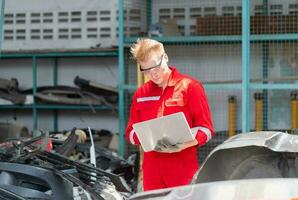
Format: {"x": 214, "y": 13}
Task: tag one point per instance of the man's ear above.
{"x": 166, "y": 57}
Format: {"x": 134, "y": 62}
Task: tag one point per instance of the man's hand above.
{"x": 164, "y": 145}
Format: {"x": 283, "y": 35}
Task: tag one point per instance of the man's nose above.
{"x": 154, "y": 71}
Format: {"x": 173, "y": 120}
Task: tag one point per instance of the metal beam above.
{"x": 265, "y": 59}
{"x": 286, "y": 37}
{"x": 2, "y": 3}
{"x": 149, "y": 14}
{"x": 72, "y": 107}
{"x": 55, "y": 83}
{"x": 34, "y": 85}
{"x": 57, "y": 107}
{"x": 274, "y": 86}
{"x": 60, "y": 54}
{"x": 121, "y": 110}
{"x": 245, "y": 65}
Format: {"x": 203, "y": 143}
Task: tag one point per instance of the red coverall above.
{"x": 182, "y": 93}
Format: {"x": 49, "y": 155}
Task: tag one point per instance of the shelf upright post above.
{"x": 55, "y": 83}
{"x": 121, "y": 108}
{"x": 34, "y": 85}
{"x": 55, "y": 71}
{"x": 265, "y": 58}
{"x": 245, "y": 65}
{"x": 149, "y": 14}
{"x": 2, "y": 3}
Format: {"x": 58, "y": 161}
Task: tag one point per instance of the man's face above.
{"x": 154, "y": 68}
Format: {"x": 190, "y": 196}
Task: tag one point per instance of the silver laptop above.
{"x": 174, "y": 127}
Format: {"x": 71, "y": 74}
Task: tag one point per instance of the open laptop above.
{"x": 174, "y": 127}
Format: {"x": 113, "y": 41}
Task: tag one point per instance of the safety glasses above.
{"x": 153, "y": 67}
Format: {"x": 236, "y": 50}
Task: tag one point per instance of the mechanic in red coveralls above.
{"x": 167, "y": 92}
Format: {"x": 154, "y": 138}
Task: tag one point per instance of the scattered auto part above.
{"x": 92, "y": 149}
{"x": 12, "y": 131}
{"x": 33, "y": 182}
{"x": 101, "y": 137}
{"x": 23, "y": 154}
{"x": 106, "y": 159}
{"x": 68, "y": 145}
{"x": 111, "y": 162}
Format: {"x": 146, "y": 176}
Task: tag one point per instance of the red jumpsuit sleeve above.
{"x": 200, "y": 112}
{"x": 130, "y": 134}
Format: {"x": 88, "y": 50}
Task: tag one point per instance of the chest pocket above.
{"x": 147, "y": 110}
{"x": 174, "y": 105}
{"x": 175, "y": 102}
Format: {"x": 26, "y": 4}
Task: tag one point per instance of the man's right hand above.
{"x": 164, "y": 145}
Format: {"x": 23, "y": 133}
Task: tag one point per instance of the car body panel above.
{"x": 253, "y": 189}
{"x": 255, "y": 165}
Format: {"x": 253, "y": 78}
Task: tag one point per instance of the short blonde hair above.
{"x": 143, "y": 48}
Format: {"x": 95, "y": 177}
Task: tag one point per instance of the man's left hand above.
{"x": 165, "y": 146}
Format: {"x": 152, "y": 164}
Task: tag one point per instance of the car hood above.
{"x": 247, "y": 166}
{"x": 265, "y": 154}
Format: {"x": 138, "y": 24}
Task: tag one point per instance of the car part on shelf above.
{"x": 9, "y": 91}
{"x": 68, "y": 95}
{"x": 108, "y": 92}
{"x": 95, "y": 87}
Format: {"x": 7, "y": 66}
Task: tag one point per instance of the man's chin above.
{"x": 157, "y": 82}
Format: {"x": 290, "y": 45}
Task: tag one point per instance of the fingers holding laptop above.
{"x": 165, "y": 145}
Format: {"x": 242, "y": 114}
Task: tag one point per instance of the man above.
{"x": 167, "y": 92}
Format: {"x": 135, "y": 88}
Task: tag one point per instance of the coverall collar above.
{"x": 175, "y": 77}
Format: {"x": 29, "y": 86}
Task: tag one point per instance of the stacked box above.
{"x": 283, "y": 24}
{"x": 219, "y": 25}
{"x": 229, "y": 25}
{"x": 260, "y": 24}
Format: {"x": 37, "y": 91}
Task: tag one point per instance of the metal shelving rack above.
{"x": 56, "y": 54}
{"x": 35, "y": 55}
{"x": 246, "y": 86}
{"x": 218, "y": 39}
